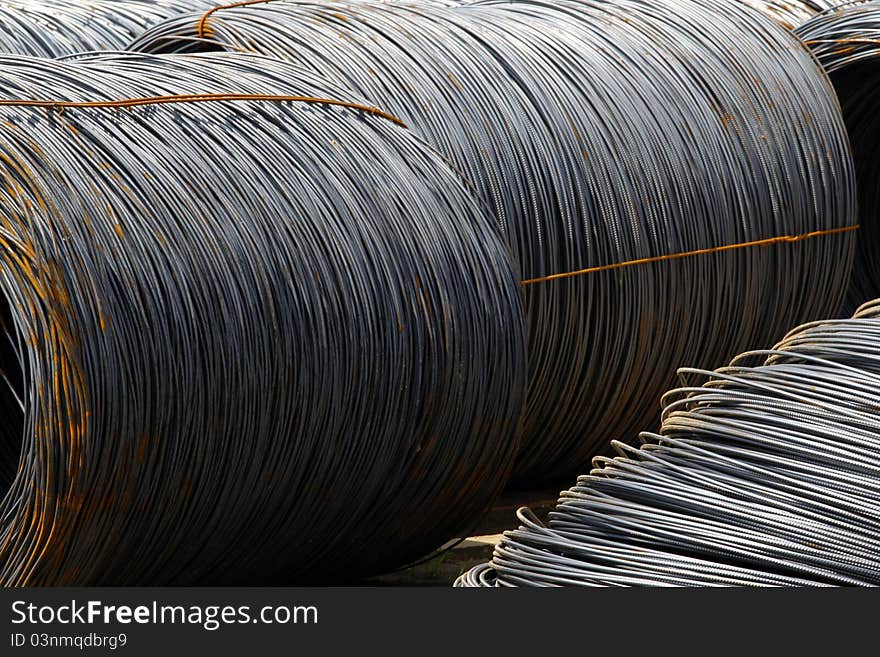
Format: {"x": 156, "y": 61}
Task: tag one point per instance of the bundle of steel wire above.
{"x": 671, "y": 177}
{"x": 846, "y": 41}
{"x": 792, "y": 13}
{"x": 53, "y": 28}
{"x": 767, "y": 474}
{"x": 258, "y": 330}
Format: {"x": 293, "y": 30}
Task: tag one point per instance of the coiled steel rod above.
{"x": 790, "y": 13}
{"x": 253, "y": 336}
{"x": 768, "y": 474}
{"x": 846, "y": 41}
{"x": 54, "y": 28}
{"x": 671, "y": 177}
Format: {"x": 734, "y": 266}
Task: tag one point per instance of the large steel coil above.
{"x": 767, "y": 474}
{"x": 790, "y": 13}
{"x": 846, "y": 41}
{"x": 252, "y": 338}
{"x": 53, "y": 28}
{"x": 672, "y": 178}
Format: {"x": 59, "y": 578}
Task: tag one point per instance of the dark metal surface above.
{"x": 260, "y": 341}
{"x": 768, "y": 474}
{"x": 599, "y": 133}
{"x": 846, "y": 41}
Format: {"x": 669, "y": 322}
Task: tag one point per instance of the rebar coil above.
{"x": 54, "y": 28}
{"x": 610, "y": 140}
{"x": 790, "y": 13}
{"x": 252, "y": 338}
{"x": 767, "y": 475}
{"x": 846, "y": 40}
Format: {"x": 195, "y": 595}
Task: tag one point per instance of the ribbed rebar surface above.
{"x": 251, "y": 339}
{"x": 790, "y": 13}
{"x": 846, "y": 41}
{"x": 601, "y": 134}
{"x": 767, "y": 474}
{"x": 54, "y": 28}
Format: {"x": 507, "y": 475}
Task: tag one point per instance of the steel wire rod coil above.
{"x": 619, "y": 145}
{"x": 768, "y": 474}
{"x": 846, "y": 40}
{"x": 54, "y": 28}
{"x": 252, "y": 338}
{"x": 790, "y": 14}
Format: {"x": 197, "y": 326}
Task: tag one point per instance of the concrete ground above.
{"x": 476, "y": 548}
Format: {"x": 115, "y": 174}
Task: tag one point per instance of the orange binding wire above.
{"x": 202, "y": 28}
{"x": 687, "y": 254}
{"x": 197, "y": 98}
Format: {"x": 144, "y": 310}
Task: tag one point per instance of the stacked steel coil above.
{"x": 53, "y": 28}
{"x": 790, "y": 13}
{"x": 767, "y": 474}
{"x": 846, "y": 41}
{"x": 671, "y": 178}
{"x": 252, "y": 338}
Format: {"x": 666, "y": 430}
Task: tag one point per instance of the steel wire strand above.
{"x": 767, "y": 474}
{"x": 255, "y": 341}
{"x": 641, "y": 160}
{"x": 790, "y": 14}
{"x": 846, "y": 40}
{"x": 55, "y": 28}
